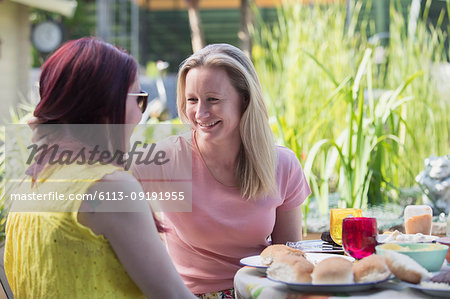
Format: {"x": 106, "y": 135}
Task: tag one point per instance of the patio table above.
{"x": 251, "y": 283}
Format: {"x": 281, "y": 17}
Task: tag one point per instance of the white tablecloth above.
{"x": 251, "y": 283}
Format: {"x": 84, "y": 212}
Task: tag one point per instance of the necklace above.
{"x": 209, "y": 169}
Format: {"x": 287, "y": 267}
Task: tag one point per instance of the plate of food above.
{"x": 256, "y": 261}
{"x": 330, "y": 288}
{"x": 268, "y": 255}
{"x": 437, "y": 286}
{"x": 333, "y": 274}
{"x": 398, "y": 237}
{"x": 432, "y": 288}
{"x": 271, "y": 253}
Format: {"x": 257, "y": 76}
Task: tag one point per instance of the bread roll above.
{"x": 371, "y": 268}
{"x": 272, "y": 252}
{"x": 333, "y": 270}
{"x": 291, "y": 268}
{"x": 404, "y": 267}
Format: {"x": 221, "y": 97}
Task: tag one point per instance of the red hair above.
{"x": 86, "y": 81}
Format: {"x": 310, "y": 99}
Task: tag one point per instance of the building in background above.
{"x": 15, "y": 46}
{"x": 151, "y": 30}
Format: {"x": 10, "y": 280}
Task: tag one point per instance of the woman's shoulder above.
{"x": 183, "y": 140}
{"x": 113, "y": 193}
{"x": 76, "y": 171}
{"x": 287, "y": 160}
{"x": 171, "y": 144}
{"x": 119, "y": 175}
{"x": 164, "y": 158}
{"x": 285, "y": 155}
{"x": 119, "y": 180}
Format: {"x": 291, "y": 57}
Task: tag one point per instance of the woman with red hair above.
{"x": 82, "y": 252}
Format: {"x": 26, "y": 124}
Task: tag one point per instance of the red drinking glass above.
{"x": 359, "y": 236}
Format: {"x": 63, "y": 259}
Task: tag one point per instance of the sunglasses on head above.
{"x": 142, "y": 99}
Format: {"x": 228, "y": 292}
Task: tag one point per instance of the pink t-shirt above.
{"x": 206, "y": 244}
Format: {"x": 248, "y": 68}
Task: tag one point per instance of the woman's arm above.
{"x": 288, "y": 221}
{"x": 288, "y": 226}
{"x": 134, "y": 239}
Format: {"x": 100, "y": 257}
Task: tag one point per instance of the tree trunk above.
{"x": 104, "y": 20}
{"x": 246, "y": 22}
{"x": 197, "y": 36}
{"x": 145, "y": 27}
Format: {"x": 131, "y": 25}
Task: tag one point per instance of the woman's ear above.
{"x": 245, "y": 103}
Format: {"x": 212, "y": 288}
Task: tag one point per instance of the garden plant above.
{"x": 361, "y": 113}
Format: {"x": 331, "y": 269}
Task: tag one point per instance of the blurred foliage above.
{"x": 309, "y": 61}
{"x": 18, "y": 116}
{"x": 151, "y": 70}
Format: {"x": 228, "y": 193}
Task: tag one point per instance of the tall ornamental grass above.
{"x": 361, "y": 116}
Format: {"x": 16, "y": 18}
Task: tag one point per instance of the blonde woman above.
{"x": 244, "y": 187}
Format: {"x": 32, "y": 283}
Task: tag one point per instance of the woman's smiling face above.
{"x": 213, "y": 105}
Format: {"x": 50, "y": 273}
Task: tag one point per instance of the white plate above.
{"x": 255, "y": 261}
{"x": 315, "y": 246}
{"x": 405, "y": 238}
{"x": 330, "y": 288}
{"x": 433, "y": 292}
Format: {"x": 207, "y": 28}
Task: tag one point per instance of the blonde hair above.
{"x": 256, "y": 166}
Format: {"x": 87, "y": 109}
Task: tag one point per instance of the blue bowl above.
{"x": 429, "y": 256}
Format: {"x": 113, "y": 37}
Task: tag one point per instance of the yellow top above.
{"x": 52, "y": 255}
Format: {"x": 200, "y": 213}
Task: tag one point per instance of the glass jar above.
{"x": 418, "y": 219}
{"x": 448, "y": 225}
